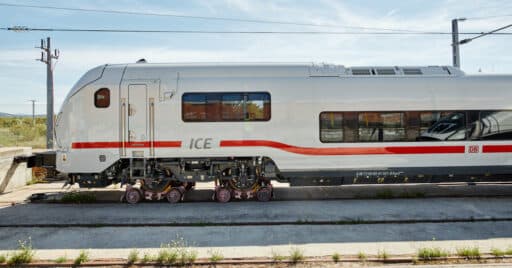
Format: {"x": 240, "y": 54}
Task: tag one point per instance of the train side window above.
{"x": 376, "y": 126}
{"x": 442, "y": 126}
{"x": 102, "y": 98}
{"x": 257, "y": 107}
{"x": 194, "y": 107}
{"x": 331, "y": 127}
{"x": 493, "y": 125}
{"x": 233, "y": 108}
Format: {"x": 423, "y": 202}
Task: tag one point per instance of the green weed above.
{"x": 431, "y": 253}
{"x": 336, "y": 257}
{"x": 81, "y": 258}
{"x": 133, "y": 256}
{"x": 23, "y": 255}
{"x": 496, "y": 252}
{"x": 61, "y": 259}
{"x": 215, "y": 256}
{"x": 296, "y": 255}
{"x": 468, "y": 252}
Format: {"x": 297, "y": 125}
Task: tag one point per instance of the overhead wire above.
{"x": 104, "y": 30}
{"x": 109, "y": 11}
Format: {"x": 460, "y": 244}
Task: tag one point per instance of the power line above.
{"x": 98, "y": 30}
{"x": 465, "y": 41}
{"x": 205, "y": 17}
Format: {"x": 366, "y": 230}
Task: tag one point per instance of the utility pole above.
{"x": 455, "y": 42}
{"x": 46, "y": 57}
{"x": 33, "y": 112}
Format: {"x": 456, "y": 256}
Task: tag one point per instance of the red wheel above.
{"x": 174, "y": 195}
{"x": 264, "y": 194}
{"x": 223, "y": 195}
{"x": 133, "y": 196}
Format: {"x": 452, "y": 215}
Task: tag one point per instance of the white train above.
{"x": 169, "y": 126}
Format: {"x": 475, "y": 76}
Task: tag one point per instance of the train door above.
{"x": 137, "y": 118}
{"x": 137, "y": 115}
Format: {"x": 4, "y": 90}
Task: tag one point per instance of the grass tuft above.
{"x": 166, "y": 255}
{"x": 215, "y": 256}
{"x": 508, "y": 251}
{"x": 382, "y": 254}
{"x": 469, "y": 253}
{"x": 78, "y": 198}
{"x": 277, "y": 257}
{"x": 2, "y": 259}
{"x": 431, "y": 253}
{"x": 336, "y": 257}
{"x": 23, "y": 255}
{"x": 81, "y": 258}
{"x": 146, "y": 258}
{"x": 61, "y": 259}
{"x": 361, "y": 256}
{"x": 496, "y": 252}
{"x": 296, "y": 255}
{"x": 133, "y": 256}
{"x": 185, "y": 255}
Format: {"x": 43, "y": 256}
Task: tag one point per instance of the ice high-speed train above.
{"x": 169, "y": 126}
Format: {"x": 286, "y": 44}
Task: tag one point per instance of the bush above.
{"x": 2, "y": 259}
{"x": 361, "y": 256}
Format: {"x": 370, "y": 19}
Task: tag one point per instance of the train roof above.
{"x": 264, "y": 70}
{"x": 305, "y": 69}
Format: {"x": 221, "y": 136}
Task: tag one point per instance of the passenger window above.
{"x": 381, "y": 126}
{"x": 102, "y": 98}
{"x": 233, "y": 107}
{"x": 218, "y": 107}
{"x": 258, "y": 107}
{"x": 194, "y": 107}
{"x": 442, "y": 126}
{"x": 494, "y": 125}
{"x": 331, "y": 127}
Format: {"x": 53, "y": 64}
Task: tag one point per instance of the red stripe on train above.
{"x": 346, "y": 150}
{"x": 497, "y": 149}
{"x": 117, "y": 144}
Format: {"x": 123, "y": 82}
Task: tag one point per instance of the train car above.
{"x": 167, "y": 127}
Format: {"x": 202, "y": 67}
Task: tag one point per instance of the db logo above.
{"x": 473, "y": 149}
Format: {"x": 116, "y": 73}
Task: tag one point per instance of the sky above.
{"x": 23, "y": 78}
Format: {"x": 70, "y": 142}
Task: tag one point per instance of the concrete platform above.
{"x": 253, "y": 229}
{"x": 13, "y": 175}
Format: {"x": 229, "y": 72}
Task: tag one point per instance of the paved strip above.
{"x": 469, "y": 234}
{"x": 247, "y": 213}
